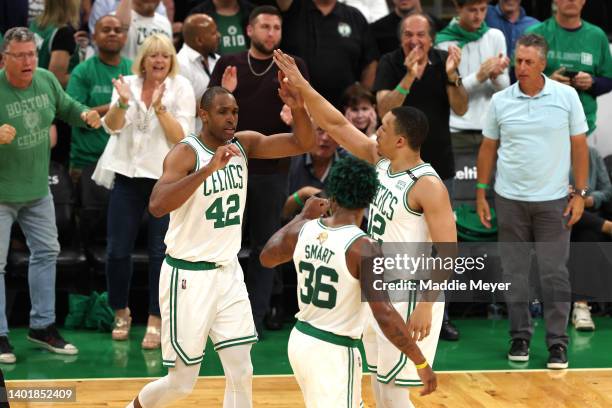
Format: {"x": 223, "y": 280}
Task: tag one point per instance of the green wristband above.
{"x": 122, "y": 105}
{"x": 296, "y": 197}
{"x": 483, "y": 186}
{"x": 401, "y": 90}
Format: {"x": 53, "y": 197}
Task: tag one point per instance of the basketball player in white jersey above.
{"x": 412, "y": 205}
{"x": 202, "y": 289}
{"x": 327, "y": 253}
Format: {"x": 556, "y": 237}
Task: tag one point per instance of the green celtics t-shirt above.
{"x": 232, "y": 36}
{"x": 585, "y": 49}
{"x": 24, "y": 163}
{"x": 91, "y": 84}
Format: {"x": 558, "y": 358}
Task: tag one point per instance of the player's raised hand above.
{"x": 428, "y": 377}
{"x": 229, "y": 80}
{"x": 222, "y": 156}
{"x": 288, "y": 93}
{"x": 315, "y": 207}
{"x": 287, "y": 64}
{"x": 7, "y": 134}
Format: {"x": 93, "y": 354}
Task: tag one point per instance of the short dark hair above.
{"x": 99, "y": 21}
{"x": 356, "y": 93}
{"x": 412, "y": 124}
{"x": 209, "y": 96}
{"x": 432, "y": 25}
{"x": 352, "y": 183}
{"x": 461, "y": 3}
{"x": 19, "y": 34}
{"x": 534, "y": 40}
{"x": 264, "y": 10}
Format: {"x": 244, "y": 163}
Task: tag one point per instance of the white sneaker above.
{"x": 6, "y": 351}
{"x": 581, "y": 317}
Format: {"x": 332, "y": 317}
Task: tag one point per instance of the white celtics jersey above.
{"x": 390, "y": 218}
{"x": 329, "y": 297}
{"x": 208, "y": 226}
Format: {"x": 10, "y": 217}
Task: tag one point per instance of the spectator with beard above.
{"x": 385, "y": 30}
{"x": 253, "y": 79}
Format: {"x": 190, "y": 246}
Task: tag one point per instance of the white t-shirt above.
{"x": 141, "y": 28}
{"x": 473, "y": 54}
{"x": 372, "y": 10}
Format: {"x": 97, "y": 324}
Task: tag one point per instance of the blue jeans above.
{"x": 128, "y": 201}
{"x": 37, "y": 221}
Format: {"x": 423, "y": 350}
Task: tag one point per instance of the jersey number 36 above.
{"x": 314, "y": 290}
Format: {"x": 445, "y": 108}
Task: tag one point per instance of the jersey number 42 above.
{"x": 224, "y": 217}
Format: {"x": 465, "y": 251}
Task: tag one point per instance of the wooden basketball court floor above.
{"x": 573, "y": 388}
{"x": 472, "y": 372}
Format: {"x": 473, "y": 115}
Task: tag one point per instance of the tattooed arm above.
{"x": 393, "y": 326}
{"x": 279, "y": 248}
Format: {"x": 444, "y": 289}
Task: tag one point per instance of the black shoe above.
{"x": 260, "y": 332}
{"x": 519, "y": 350}
{"x": 6, "y": 351}
{"x": 50, "y": 339}
{"x": 274, "y": 318}
{"x": 449, "y": 332}
{"x": 557, "y": 357}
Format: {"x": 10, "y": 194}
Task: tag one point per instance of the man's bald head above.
{"x": 200, "y": 33}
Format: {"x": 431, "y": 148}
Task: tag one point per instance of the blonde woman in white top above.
{"x": 150, "y": 112}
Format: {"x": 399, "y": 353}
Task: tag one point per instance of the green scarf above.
{"x": 454, "y": 32}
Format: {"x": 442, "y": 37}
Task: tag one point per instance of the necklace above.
{"x": 251, "y": 66}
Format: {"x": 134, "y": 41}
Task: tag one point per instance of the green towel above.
{"x": 100, "y": 315}
{"x": 78, "y": 306}
{"x": 89, "y": 312}
{"x": 454, "y": 32}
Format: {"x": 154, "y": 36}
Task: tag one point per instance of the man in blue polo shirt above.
{"x": 537, "y": 129}
{"x": 510, "y": 18}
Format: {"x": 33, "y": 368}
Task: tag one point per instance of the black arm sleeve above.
{"x": 601, "y": 85}
{"x": 64, "y": 40}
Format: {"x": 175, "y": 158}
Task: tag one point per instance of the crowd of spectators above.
{"x": 143, "y": 66}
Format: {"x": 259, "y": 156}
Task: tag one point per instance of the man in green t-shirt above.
{"x": 91, "y": 85}
{"x": 232, "y": 18}
{"x": 31, "y": 98}
{"x": 579, "y": 56}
